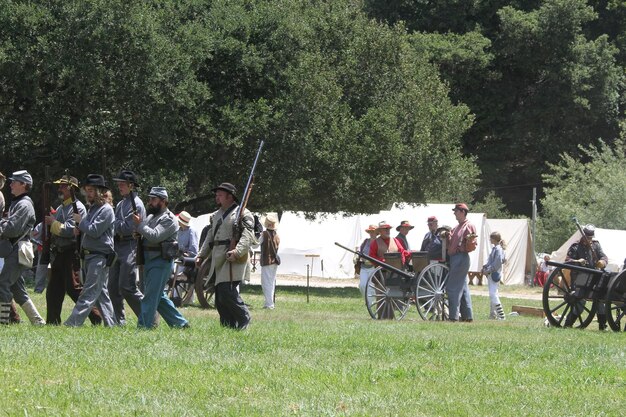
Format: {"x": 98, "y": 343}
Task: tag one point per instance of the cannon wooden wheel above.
{"x": 205, "y": 288}
{"x": 430, "y": 293}
{"x": 561, "y": 305}
{"x": 384, "y": 301}
{"x": 616, "y": 302}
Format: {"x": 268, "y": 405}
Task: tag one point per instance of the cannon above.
{"x": 391, "y": 288}
{"x": 572, "y": 295}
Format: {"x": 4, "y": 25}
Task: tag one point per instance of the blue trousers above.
{"x": 156, "y": 273}
{"x": 458, "y": 291}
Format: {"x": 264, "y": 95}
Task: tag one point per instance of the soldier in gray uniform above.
{"x": 229, "y": 266}
{"x": 97, "y": 250}
{"x": 64, "y": 273}
{"x": 159, "y": 231}
{"x": 122, "y": 275}
{"x": 16, "y": 229}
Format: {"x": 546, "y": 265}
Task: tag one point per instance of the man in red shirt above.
{"x": 384, "y": 243}
{"x": 459, "y": 246}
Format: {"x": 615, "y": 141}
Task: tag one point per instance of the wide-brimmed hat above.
{"x": 126, "y": 175}
{"x": 228, "y": 187}
{"x": 371, "y": 228}
{"x": 270, "y": 221}
{"x": 460, "y": 206}
{"x": 22, "y": 176}
{"x": 67, "y": 179}
{"x": 383, "y": 225}
{"x": 184, "y": 218}
{"x": 95, "y": 180}
{"x": 432, "y": 219}
{"x": 159, "y": 192}
{"x": 404, "y": 223}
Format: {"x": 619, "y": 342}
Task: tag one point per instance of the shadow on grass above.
{"x": 339, "y": 292}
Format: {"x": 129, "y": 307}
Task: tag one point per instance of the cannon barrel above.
{"x": 575, "y": 267}
{"x": 377, "y": 262}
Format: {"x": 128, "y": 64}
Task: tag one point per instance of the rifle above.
{"x": 45, "y": 230}
{"x": 589, "y": 240}
{"x": 76, "y": 261}
{"x": 238, "y": 226}
{"x": 140, "y": 259}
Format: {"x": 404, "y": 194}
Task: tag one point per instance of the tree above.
{"x": 592, "y": 189}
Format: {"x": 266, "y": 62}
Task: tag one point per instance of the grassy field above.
{"x": 323, "y": 358}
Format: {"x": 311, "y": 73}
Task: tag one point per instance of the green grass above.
{"x": 323, "y": 358}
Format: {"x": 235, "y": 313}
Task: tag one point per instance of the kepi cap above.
{"x": 460, "y": 206}
{"x": 589, "y": 230}
{"x": 22, "y": 176}
{"x": 159, "y": 192}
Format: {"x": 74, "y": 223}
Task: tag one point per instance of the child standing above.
{"x": 493, "y": 268}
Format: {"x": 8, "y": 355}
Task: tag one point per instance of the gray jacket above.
{"x": 20, "y": 220}
{"x": 63, "y": 231}
{"x": 157, "y": 228}
{"x": 97, "y": 229}
{"x": 124, "y": 224}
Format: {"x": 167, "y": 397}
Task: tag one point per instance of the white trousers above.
{"x": 363, "y": 277}
{"x": 268, "y": 283}
{"x": 494, "y": 297}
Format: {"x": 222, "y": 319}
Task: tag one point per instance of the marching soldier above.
{"x": 159, "y": 231}
{"x": 15, "y": 230}
{"x": 227, "y": 264}
{"x": 97, "y": 250}
{"x": 122, "y": 276}
{"x": 64, "y": 277}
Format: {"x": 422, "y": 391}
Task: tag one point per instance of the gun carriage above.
{"x": 392, "y": 288}
{"x": 572, "y": 295}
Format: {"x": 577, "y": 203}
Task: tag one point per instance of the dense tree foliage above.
{"x": 541, "y": 77}
{"x": 182, "y": 92}
{"x": 593, "y": 190}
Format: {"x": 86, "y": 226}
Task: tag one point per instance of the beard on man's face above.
{"x": 153, "y": 209}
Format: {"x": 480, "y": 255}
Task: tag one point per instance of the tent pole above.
{"x": 533, "y": 263}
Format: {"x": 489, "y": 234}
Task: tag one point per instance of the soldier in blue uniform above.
{"x": 16, "y": 230}
{"x": 97, "y": 250}
{"x": 122, "y": 275}
{"x": 159, "y": 231}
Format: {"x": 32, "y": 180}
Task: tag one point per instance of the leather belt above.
{"x": 221, "y": 242}
{"x": 93, "y": 252}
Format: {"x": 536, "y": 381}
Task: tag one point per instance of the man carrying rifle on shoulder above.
{"x": 228, "y": 264}
{"x": 64, "y": 271}
{"x": 122, "y": 276}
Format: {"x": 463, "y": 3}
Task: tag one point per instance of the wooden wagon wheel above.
{"x": 384, "y": 302}
{"x": 616, "y": 302}
{"x": 561, "y": 305}
{"x": 430, "y": 295}
{"x": 205, "y": 288}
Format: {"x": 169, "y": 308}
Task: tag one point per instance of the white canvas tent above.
{"x": 312, "y": 242}
{"x": 611, "y": 240}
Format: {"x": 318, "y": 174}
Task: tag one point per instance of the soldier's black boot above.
{"x": 601, "y": 321}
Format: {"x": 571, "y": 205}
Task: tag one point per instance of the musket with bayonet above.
{"x": 238, "y": 225}
{"x": 76, "y": 264}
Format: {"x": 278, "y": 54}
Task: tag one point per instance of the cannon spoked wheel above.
{"x": 205, "y": 289}
{"x": 616, "y": 302}
{"x": 561, "y": 305}
{"x": 385, "y": 302}
{"x": 430, "y": 295}
{"x": 180, "y": 291}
